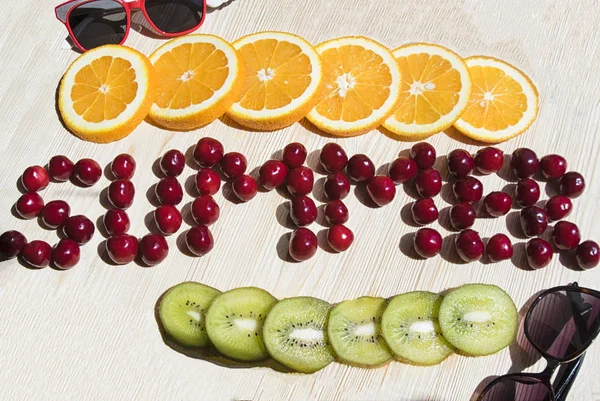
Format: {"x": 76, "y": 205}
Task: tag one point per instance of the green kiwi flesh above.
{"x": 295, "y": 334}
{"x": 234, "y": 323}
{"x": 478, "y": 319}
{"x": 182, "y": 312}
{"x": 354, "y": 331}
{"x": 411, "y": 329}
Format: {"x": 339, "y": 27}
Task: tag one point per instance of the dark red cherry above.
{"x": 233, "y": 164}
{"x": 29, "y": 205}
{"x": 337, "y": 186}
{"x": 333, "y": 158}
{"x": 553, "y": 166}
{"x": 527, "y": 192}
{"x": 534, "y": 221}
{"x": 300, "y": 181}
{"x": 469, "y": 245}
{"x": 340, "y": 237}
{"x": 60, "y": 168}
{"x": 55, "y": 213}
{"x": 272, "y": 174}
{"x": 153, "y": 249}
{"x": 123, "y": 166}
{"x": 303, "y": 210}
{"x": 424, "y": 211}
{"x": 558, "y": 207}
{"x": 168, "y": 219}
{"x": 87, "y": 172}
{"x": 169, "y": 191}
{"x": 402, "y": 170}
{"x": 244, "y": 187}
{"x": 467, "y": 189}
{"x": 460, "y": 163}
{"x": 539, "y": 253}
{"x": 208, "y": 181}
{"x": 66, "y": 254}
{"x": 497, "y": 203}
{"x": 11, "y": 244}
{"x": 524, "y": 163}
{"x": 122, "y": 248}
{"x": 37, "y": 254}
{"x": 121, "y": 193}
{"x": 588, "y": 255}
{"x": 205, "y": 210}
{"x": 79, "y": 228}
{"x": 462, "y": 215}
{"x": 423, "y": 154}
{"x": 35, "y": 178}
{"x": 381, "y": 189}
{"x": 499, "y": 248}
{"x": 199, "y": 240}
{"x": 428, "y": 183}
{"x": 572, "y": 184}
{"x": 303, "y": 244}
{"x": 489, "y": 160}
{"x": 336, "y": 212}
{"x": 294, "y": 155}
{"x": 360, "y": 168}
{"x": 208, "y": 152}
{"x": 427, "y": 242}
{"x": 566, "y": 235}
{"x": 116, "y": 222}
{"x": 172, "y": 163}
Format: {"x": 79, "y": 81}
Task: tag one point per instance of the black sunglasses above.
{"x": 561, "y": 324}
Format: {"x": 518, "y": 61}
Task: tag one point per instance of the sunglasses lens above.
{"x": 520, "y": 388}
{"x": 174, "y": 16}
{"x": 563, "y": 323}
{"x": 98, "y": 23}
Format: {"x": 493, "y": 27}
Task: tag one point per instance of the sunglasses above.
{"x": 561, "y": 324}
{"x": 93, "y": 23}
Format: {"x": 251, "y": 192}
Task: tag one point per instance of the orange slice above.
{"x": 435, "y": 90}
{"x": 106, "y": 93}
{"x": 198, "y": 79}
{"x": 283, "y": 80}
{"x": 362, "y": 86}
{"x": 503, "y": 103}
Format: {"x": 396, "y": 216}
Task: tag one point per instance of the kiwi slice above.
{"x": 295, "y": 334}
{"x": 411, "y": 329}
{"x": 182, "y": 313}
{"x": 478, "y": 319}
{"x": 354, "y": 330}
{"x": 234, "y": 323}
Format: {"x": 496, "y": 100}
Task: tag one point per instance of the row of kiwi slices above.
{"x": 306, "y": 334}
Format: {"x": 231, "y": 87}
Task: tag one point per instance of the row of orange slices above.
{"x": 269, "y": 80}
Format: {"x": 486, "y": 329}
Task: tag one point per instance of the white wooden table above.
{"x": 90, "y": 333}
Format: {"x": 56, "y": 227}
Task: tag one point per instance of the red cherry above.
{"x": 66, "y": 254}
{"x": 35, "y": 178}
{"x": 37, "y": 254}
{"x": 423, "y": 154}
{"x": 462, "y": 215}
{"x": 553, "y": 166}
{"x": 467, "y": 189}
{"x": 116, "y": 222}
{"x": 60, "y": 168}
{"x": 460, "y": 163}
{"x": 499, "y": 248}
{"x": 168, "y": 219}
{"x": 524, "y": 163}
{"x": 566, "y": 235}
{"x": 489, "y": 160}
{"x": 402, "y": 170}
{"x": 153, "y": 249}
{"x": 497, "y": 203}
{"x": 300, "y": 181}
{"x": 303, "y": 210}
{"x": 381, "y": 189}
{"x": 558, "y": 207}
{"x": 294, "y": 155}
{"x": 272, "y": 174}
{"x": 303, "y": 244}
{"x": 424, "y": 211}
{"x": 360, "y": 168}
{"x": 122, "y": 248}
{"x": 87, "y": 172}
{"x": 588, "y": 255}
{"x": 333, "y": 158}
{"x": 528, "y": 192}
{"x": 469, "y": 245}
{"x": 79, "y": 228}
{"x": 427, "y": 242}
{"x": 11, "y": 244}
{"x": 340, "y": 237}
{"x": 123, "y": 167}
{"x": 205, "y": 210}
{"x": 428, "y": 183}
{"x": 208, "y": 152}
{"x": 29, "y": 205}
{"x": 244, "y": 187}
{"x": 572, "y": 184}
{"x": 208, "y": 181}
{"x": 172, "y": 163}
{"x": 534, "y": 221}
{"x": 337, "y": 186}
{"x": 169, "y": 191}
{"x": 199, "y": 240}
{"x": 233, "y": 164}
{"x": 539, "y": 253}
{"x": 121, "y": 193}
{"x": 336, "y": 212}
{"x": 55, "y": 213}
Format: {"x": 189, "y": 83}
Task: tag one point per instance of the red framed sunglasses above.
{"x": 93, "y": 23}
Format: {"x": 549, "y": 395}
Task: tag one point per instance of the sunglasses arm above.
{"x": 566, "y": 377}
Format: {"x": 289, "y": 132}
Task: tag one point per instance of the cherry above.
{"x": 428, "y": 183}
{"x": 524, "y": 163}
{"x": 153, "y": 249}
{"x": 337, "y": 186}
{"x": 553, "y": 166}
{"x": 534, "y": 221}
{"x": 208, "y": 181}
{"x": 244, "y": 187}
{"x": 424, "y": 211}
{"x": 37, "y": 254}
{"x": 402, "y": 170}
{"x": 208, "y": 152}
{"x": 79, "y": 228}
{"x": 303, "y": 210}
{"x": 87, "y": 172}
{"x": 121, "y": 193}
{"x": 381, "y": 189}
{"x": 467, "y": 189}
{"x": 35, "y": 178}
{"x": 558, "y": 207}
{"x": 11, "y": 244}
{"x": 427, "y": 242}
{"x": 340, "y": 237}
{"x": 123, "y": 167}
{"x": 172, "y": 163}
{"x": 294, "y": 155}
{"x": 55, "y": 213}
{"x": 336, "y": 212}
{"x": 460, "y": 163}
{"x": 572, "y": 184}
{"x": 233, "y": 164}
{"x": 66, "y": 254}
{"x": 497, "y": 203}
{"x": 539, "y": 253}
{"x": 116, "y": 222}
{"x": 423, "y": 154}
{"x": 300, "y": 181}
{"x": 462, "y": 215}
{"x": 303, "y": 244}
{"x": 199, "y": 240}
{"x": 566, "y": 235}
{"x": 588, "y": 255}
{"x": 489, "y": 160}
{"x": 205, "y": 210}
{"x": 527, "y": 192}
{"x": 499, "y": 248}
{"x": 122, "y": 248}
{"x": 169, "y": 191}
{"x": 469, "y": 245}
{"x": 333, "y": 158}
{"x": 29, "y": 205}
{"x": 360, "y": 168}
{"x": 168, "y": 219}
{"x": 272, "y": 174}
{"x": 60, "y": 168}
